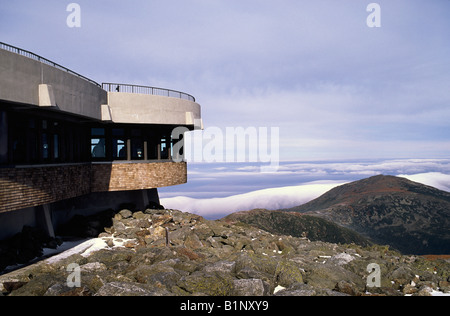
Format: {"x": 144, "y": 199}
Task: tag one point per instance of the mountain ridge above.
{"x": 409, "y": 216}
{"x": 299, "y": 225}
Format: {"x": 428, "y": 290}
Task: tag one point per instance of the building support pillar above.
{"x": 44, "y": 219}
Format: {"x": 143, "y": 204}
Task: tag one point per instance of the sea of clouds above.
{"x": 215, "y": 190}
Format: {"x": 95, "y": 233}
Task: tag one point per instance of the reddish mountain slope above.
{"x": 409, "y": 216}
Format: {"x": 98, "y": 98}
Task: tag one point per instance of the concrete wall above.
{"x": 28, "y": 81}
{"x": 150, "y": 109}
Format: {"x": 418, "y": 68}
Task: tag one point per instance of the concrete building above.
{"x": 69, "y": 145}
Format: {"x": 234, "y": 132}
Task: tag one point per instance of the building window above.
{"x": 119, "y": 144}
{"x": 166, "y": 147}
{"x": 33, "y": 141}
{"x": 98, "y": 143}
{"x": 56, "y": 146}
{"x": 3, "y": 137}
{"x": 45, "y": 146}
{"x": 129, "y": 142}
{"x": 137, "y": 145}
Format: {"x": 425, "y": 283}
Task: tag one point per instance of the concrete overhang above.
{"x": 150, "y": 109}
{"x": 29, "y": 81}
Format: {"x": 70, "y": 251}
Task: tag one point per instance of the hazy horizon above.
{"x": 218, "y": 189}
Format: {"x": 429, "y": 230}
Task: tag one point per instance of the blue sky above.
{"x": 336, "y": 88}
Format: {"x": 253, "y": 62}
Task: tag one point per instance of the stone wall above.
{"x": 33, "y": 186}
{"x": 137, "y": 176}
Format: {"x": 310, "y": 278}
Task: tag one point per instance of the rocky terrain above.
{"x": 299, "y": 225}
{"x": 171, "y": 253}
{"x": 410, "y": 217}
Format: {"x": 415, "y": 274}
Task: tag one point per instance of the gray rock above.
{"x": 128, "y": 289}
{"x": 93, "y": 267}
{"x": 211, "y": 284}
{"x": 126, "y": 213}
{"x": 221, "y": 266}
{"x": 221, "y": 258}
{"x": 298, "y": 290}
{"x": 250, "y": 287}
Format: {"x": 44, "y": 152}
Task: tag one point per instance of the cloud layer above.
{"x": 215, "y": 190}
{"x": 272, "y": 199}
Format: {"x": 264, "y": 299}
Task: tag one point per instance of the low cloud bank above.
{"x": 279, "y": 198}
{"x": 272, "y": 199}
{"x": 438, "y": 180}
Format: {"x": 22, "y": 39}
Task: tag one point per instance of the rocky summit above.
{"x": 171, "y": 253}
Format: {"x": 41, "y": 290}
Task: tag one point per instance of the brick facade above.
{"x": 33, "y": 186}
{"x": 137, "y": 176}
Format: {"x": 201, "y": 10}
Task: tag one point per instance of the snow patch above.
{"x": 278, "y": 289}
{"x": 85, "y": 249}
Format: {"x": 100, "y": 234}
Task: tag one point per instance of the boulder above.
{"x": 126, "y": 213}
{"x": 250, "y": 287}
{"x": 129, "y": 289}
{"x": 210, "y": 284}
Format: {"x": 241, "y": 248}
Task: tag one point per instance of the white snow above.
{"x": 85, "y": 249}
{"x": 278, "y": 289}
{"x": 439, "y": 293}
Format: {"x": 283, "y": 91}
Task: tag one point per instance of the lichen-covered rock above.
{"x": 250, "y": 287}
{"x": 221, "y": 258}
{"x": 211, "y": 284}
{"x": 288, "y": 273}
{"x": 129, "y": 289}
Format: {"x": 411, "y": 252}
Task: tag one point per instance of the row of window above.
{"x": 33, "y": 140}
{"x": 121, "y": 143}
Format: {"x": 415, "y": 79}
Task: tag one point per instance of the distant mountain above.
{"x": 298, "y": 225}
{"x": 409, "y": 216}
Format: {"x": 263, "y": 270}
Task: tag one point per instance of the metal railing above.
{"x": 43, "y": 60}
{"x": 128, "y": 88}
{"x": 110, "y": 87}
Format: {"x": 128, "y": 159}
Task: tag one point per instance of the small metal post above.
{"x": 167, "y": 237}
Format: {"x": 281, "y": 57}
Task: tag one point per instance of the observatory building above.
{"x": 69, "y": 145}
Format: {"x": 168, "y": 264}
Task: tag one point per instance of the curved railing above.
{"x": 43, "y": 60}
{"x": 128, "y": 88}
{"x": 111, "y": 87}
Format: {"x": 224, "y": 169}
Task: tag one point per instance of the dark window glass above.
{"x": 45, "y": 146}
{"x": 137, "y": 149}
{"x": 56, "y": 146}
{"x": 98, "y": 132}
{"x": 98, "y": 149}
